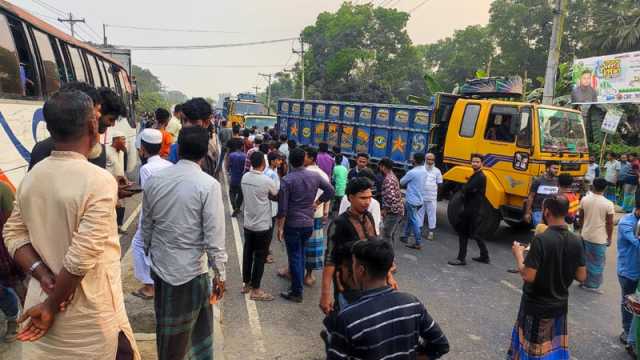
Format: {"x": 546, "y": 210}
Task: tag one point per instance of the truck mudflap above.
{"x": 494, "y": 192}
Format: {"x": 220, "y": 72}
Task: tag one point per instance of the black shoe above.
{"x": 482, "y": 259}
{"x": 513, "y": 271}
{"x": 404, "y": 239}
{"x": 414, "y": 246}
{"x": 457, "y": 262}
{"x": 235, "y": 213}
{"x": 288, "y": 295}
{"x": 623, "y": 338}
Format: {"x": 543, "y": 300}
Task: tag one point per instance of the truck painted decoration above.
{"x": 381, "y": 130}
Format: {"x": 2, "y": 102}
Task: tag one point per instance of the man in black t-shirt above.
{"x": 555, "y": 259}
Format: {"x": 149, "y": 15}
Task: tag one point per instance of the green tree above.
{"x": 522, "y": 29}
{"x": 455, "y": 59}
{"x": 146, "y": 80}
{"x": 615, "y": 26}
{"x": 362, "y": 53}
{"x": 175, "y": 97}
{"x": 150, "y": 101}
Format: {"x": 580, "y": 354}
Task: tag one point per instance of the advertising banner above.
{"x": 607, "y": 79}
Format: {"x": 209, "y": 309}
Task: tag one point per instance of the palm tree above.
{"x": 617, "y": 26}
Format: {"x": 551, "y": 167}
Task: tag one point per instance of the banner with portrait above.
{"x": 607, "y": 79}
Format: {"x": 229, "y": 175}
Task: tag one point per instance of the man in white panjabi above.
{"x": 432, "y": 181}
{"x": 150, "y": 143}
{"x": 64, "y": 223}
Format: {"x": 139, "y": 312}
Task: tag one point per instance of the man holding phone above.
{"x": 555, "y": 259}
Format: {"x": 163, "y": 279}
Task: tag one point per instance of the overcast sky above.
{"x": 238, "y": 21}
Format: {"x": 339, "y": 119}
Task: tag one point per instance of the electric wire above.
{"x": 204, "y": 47}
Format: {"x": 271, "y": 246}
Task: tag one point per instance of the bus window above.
{"x": 95, "y": 72}
{"x": 106, "y": 70}
{"x": 9, "y": 64}
{"x": 117, "y": 83}
{"x": 77, "y": 64}
{"x": 28, "y": 74}
{"x": 63, "y": 66}
{"x": 64, "y": 50}
{"x": 52, "y": 69}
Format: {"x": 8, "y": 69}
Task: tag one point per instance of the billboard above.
{"x": 607, "y": 79}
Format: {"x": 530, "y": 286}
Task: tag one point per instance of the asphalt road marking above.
{"x": 252, "y": 310}
{"x": 132, "y": 217}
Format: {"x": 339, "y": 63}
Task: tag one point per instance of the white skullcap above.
{"x": 116, "y": 134}
{"x": 151, "y": 136}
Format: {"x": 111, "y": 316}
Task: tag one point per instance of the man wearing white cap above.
{"x": 115, "y": 165}
{"x": 150, "y": 143}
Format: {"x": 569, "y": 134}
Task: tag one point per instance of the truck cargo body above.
{"x": 380, "y": 130}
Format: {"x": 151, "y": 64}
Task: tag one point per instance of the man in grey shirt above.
{"x": 182, "y": 229}
{"x": 257, "y": 189}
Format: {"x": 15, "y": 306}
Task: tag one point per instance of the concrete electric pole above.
{"x": 559, "y": 14}
{"x": 301, "y": 52}
{"x": 268, "y": 76}
{"x": 72, "y": 22}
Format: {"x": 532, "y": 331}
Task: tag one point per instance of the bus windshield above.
{"x": 561, "y": 131}
{"x": 259, "y": 122}
{"x": 243, "y": 108}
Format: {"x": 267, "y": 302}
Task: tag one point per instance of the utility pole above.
{"x": 104, "y": 33}
{"x": 301, "y": 52}
{"x": 559, "y": 14}
{"x": 268, "y": 92}
{"x": 257, "y": 88}
{"x": 72, "y": 22}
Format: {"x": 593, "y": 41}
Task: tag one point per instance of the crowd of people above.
{"x": 339, "y": 224}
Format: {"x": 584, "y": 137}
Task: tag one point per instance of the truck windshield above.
{"x": 244, "y": 108}
{"x": 561, "y": 131}
{"x": 259, "y": 122}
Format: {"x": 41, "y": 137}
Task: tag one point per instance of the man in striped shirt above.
{"x": 383, "y": 323}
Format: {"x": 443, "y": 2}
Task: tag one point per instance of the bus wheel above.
{"x": 487, "y": 221}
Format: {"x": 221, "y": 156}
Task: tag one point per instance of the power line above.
{"x": 203, "y": 47}
{"x": 142, "y": 28}
{"x": 214, "y": 66}
{"x": 418, "y": 6}
{"x": 393, "y": 3}
{"x": 93, "y": 31}
{"x": 49, "y": 7}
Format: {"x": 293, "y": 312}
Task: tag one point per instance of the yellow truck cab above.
{"x": 516, "y": 140}
{"x": 236, "y": 109}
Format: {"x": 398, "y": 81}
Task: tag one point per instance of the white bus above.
{"x": 35, "y": 60}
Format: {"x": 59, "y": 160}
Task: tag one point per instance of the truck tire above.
{"x": 487, "y": 221}
{"x": 518, "y": 225}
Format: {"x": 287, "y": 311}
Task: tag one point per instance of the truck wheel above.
{"x": 487, "y": 221}
{"x": 518, "y": 225}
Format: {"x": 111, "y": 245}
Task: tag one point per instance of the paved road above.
{"x": 476, "y": 305}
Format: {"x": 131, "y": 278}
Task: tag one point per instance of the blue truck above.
{"x": 381, "y": 130}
